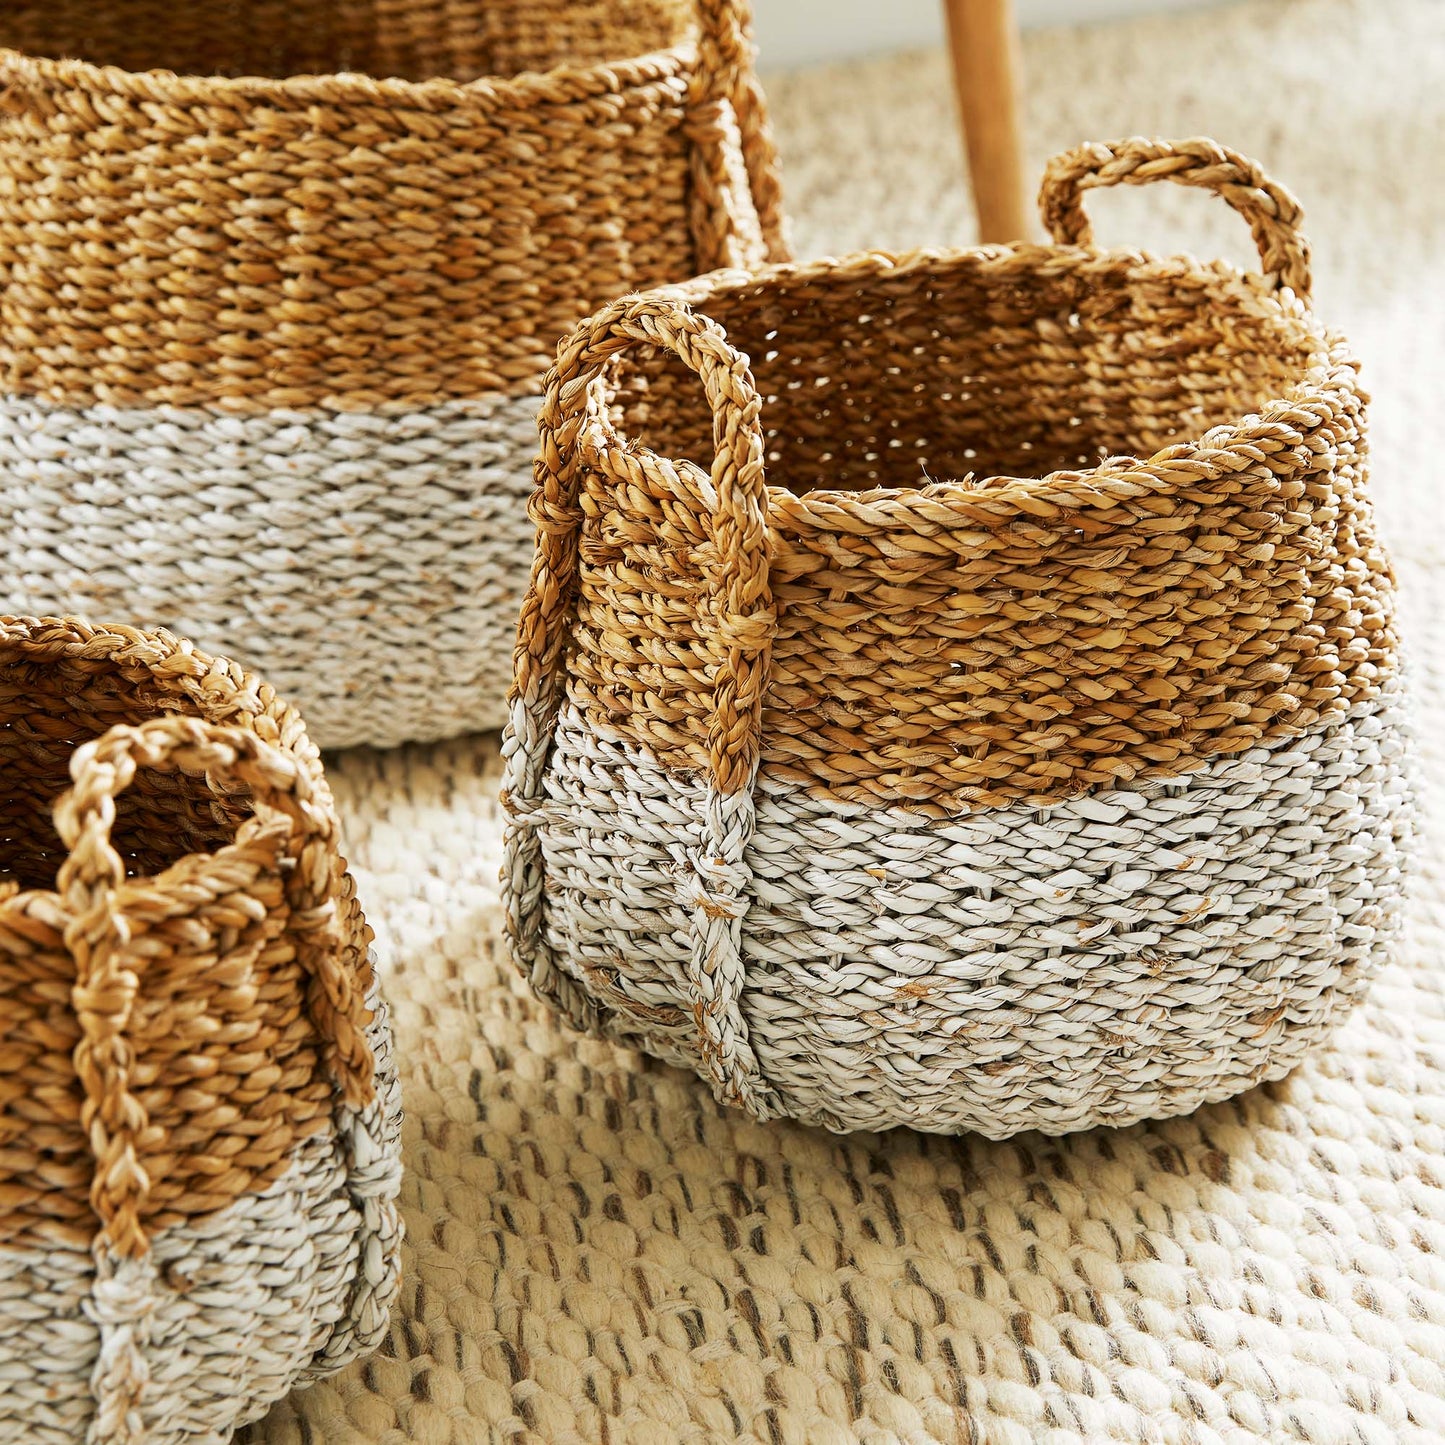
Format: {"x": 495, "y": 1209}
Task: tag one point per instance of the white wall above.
{"x": 803, "y": 32}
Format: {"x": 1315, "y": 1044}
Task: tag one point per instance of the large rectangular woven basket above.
{"x": 1028, "y": 753}
{"x": 278, "y": 287}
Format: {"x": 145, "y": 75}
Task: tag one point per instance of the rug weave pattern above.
{"x": 597, "y": 1253}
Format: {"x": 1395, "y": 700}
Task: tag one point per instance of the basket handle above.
{"x": 1273, "y": 214}
{"x": 97, "y": 937}
{"x": 725, "y": 73}
{"x": 739, "y": 600}
{"x": 737, "y": 606}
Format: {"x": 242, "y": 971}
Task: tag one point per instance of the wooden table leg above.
{"x": 985, "y": 42}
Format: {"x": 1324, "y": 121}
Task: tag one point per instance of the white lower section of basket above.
{"x": 278, "y": 1288}
{"x": 1125, "y": 954}
{"x": 369, "y": 565}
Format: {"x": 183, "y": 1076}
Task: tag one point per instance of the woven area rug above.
{"x": 598, "y": 1253}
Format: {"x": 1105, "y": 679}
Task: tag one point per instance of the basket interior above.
{"x": 49, "y": 706}
{"x": 408, "y": 39}
{"x": 977, "y": 369}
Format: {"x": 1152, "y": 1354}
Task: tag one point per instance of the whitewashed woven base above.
{"x": 279, "y": 1288}
{"x": 1123, "y": 955}
{"x": 370, "y": 566}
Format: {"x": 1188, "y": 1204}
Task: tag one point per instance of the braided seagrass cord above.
{"x": 289, "y": 825}
{"x": 886, "y": 799}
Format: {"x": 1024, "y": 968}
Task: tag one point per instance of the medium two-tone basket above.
{"x": 273, "y": 330}
{"x": 199, "y": 1115}
{"x": 1028, "y": 754}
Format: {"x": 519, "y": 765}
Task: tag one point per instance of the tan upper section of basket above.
{"x": 248, "y": 235}
{"x": 183, "y": 963}
{"x": 1113, "y": 524}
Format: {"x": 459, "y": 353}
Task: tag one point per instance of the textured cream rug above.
{"x": 598, "y": 1253}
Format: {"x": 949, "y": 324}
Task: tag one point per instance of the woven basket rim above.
{"x": 1331, "y": 369}
{"x": 561, "y": 85}
{"x": 24, "y": 637}
{"x": 24, "y": 634}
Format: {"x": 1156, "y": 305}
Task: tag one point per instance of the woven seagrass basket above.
{"x": 279, "y": 284}
{"x": 199, "y": 1117}
{"x": 959, "y": 690}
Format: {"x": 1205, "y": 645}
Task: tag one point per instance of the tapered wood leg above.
{"x": 983, "y": 36}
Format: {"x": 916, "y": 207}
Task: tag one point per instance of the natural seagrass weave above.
{"x": 279, "y": 284}
{"x": 1004, "y": 732}
{"x": 199, "y": 1118}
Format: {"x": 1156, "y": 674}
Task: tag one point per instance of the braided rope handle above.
{"x": 1273, "y": 214}
{"x": 726, "y": 74}
{"x": 739, "y": 600}
{"x": 97, "y": 934}
{"x": 739, "y": 610}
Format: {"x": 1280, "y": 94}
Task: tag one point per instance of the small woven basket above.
{"x": 273, "y": 330}
{"x": 1028, "y": 754}
{"x": 199, "y": 1118}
